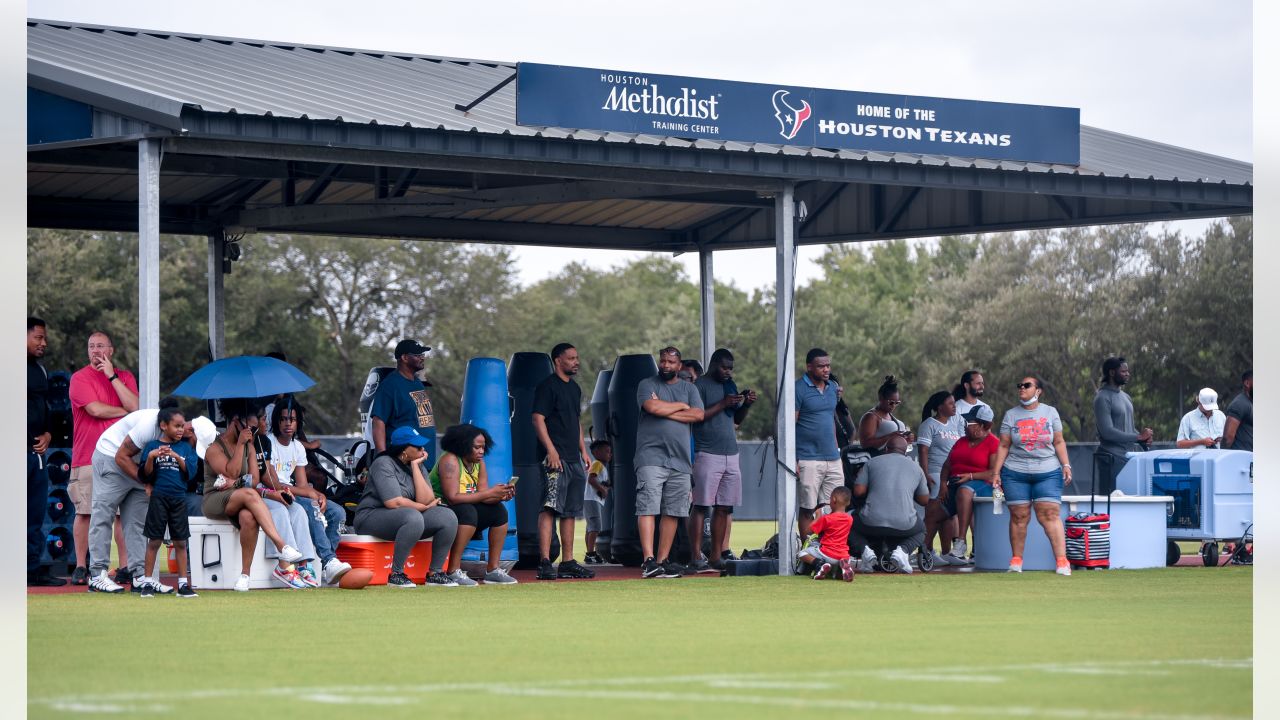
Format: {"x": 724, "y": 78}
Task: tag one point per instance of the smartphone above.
{"x": 514, "y": 479}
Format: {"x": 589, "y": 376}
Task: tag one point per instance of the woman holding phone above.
{"x": 461, "y": 478}
{"x": 230, "y": 482}
{"x": 398, "y": 505}
{"x": 879, "y": 423}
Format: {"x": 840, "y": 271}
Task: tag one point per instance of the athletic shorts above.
{"x": 662, "y": 491}
{"x": 816, "y": 479}
{"x": 594, "y": 513}
{"x": 480, "y": 515}
{"x": 166, "y": 511}
{"x": 716, "y": 480}
{"x": 814, "y": 550}
{"x": 980, "y": 488}
{"x": 1023, "y": 488}
{"x": 81, "y": 489}
{"x": 564, "y": 496}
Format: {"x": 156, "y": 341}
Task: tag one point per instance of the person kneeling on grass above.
{"x": 230, "y": 476}
{"x": 893, "y": 486}
{"x": 461, "y": 478}
{"x": 398, "y": 505}
{"x": 168, "y": 463}
{"x": 828, "y": 547}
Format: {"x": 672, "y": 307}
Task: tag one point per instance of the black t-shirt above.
{"x": 560, "y": 403}
{"x": 1241, "y": 408}
{"x": 37, "y": 400}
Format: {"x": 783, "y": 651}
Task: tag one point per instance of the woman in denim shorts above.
{"x": 1031, "y": 468}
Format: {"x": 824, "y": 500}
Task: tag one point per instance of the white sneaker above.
{"x": 901, "y": 560}
{"x": 960, "y": 549}
{"x": 957, "y": 560}
{"x": 104, "y": 584}
{"x": 242, "y": 585}
{"x": 1064, "y": 570}
{"x": 868, "y": 562}
{"x": 160, "y": 588}
{"x": 498, "y": 577}
{"x": 289, "y": 554}
{"x": 334, "y": 570}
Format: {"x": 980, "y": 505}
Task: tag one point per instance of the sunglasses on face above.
{"x": 1024, "y": 386}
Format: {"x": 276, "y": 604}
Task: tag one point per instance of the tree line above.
{"x": 1050, "y": 303}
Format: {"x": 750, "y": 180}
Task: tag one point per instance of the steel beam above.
{"x": 785, "y": 259}
{"x": 148, "y": 273}
{"x": 707, "y": 283}
{"x": 217, "y": 322}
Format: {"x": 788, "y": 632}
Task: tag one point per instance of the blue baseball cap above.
{"x": 407, "y": 436}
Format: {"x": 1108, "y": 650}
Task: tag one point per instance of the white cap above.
{"x": 206, "y": 433}
{"x": 1208, "y": 399}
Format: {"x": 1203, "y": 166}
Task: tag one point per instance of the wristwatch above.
{"x": 113, "y": 378}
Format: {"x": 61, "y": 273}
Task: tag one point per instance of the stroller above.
{"x": 345, "y": 486}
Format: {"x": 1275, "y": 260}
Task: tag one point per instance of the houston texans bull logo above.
{"x": 790, "y": 118}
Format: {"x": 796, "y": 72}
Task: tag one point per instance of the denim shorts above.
{"x": 1022, "y": 488}
{"x": 979, "y": 488}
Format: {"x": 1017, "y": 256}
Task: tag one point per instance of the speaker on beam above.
{"x": 59, "y": 547}
{"x": 59, "y": 398}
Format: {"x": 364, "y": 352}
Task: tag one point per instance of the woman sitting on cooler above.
{"x": 462, "y": 479}
{"x": 1032, "y": 467}
{"x": 970, "y": 471}
{"x": 399, "y": 505}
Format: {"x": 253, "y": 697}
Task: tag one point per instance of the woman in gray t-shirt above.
{"x": 1031, "y": 468}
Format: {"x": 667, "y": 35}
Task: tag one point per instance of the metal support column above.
{"x": 706, "y": 280}
{"x": 149, "y": 272}
{"x": 217, "y": 324}
{"x": 784, "y": 243}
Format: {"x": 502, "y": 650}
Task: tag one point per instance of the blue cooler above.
{"x": 1212, "y": 492}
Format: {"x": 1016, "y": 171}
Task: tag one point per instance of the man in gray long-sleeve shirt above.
{"x": 1113, "y": 411}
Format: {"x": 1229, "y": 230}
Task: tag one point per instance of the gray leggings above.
{"x": 407, "y": 526}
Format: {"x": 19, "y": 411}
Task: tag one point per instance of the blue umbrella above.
{"x": 247, "y": 376}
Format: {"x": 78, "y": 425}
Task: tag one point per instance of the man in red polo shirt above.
{"x": 101, "y": 393}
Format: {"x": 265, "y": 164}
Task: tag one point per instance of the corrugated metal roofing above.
{"x": 363, "y": 86}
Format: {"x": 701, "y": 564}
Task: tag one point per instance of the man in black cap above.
{"x": 401, "y": 400}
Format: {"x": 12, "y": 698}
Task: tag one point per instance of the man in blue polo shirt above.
{"x": 818, "y": 470}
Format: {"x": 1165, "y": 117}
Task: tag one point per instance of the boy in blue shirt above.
{"x": 169, "y": 462}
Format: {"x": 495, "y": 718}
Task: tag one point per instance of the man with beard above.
{"x": 668, "y": 406}
{"x": 1238, "y": 434}
{"x": 1113, "y": 411}
{"x": 401, "y": 400}
{"x": 717, "y": 479}
{"x": 968, "y": 392}
{"x": 557, "y": 412}
{"x": 101, "y": 393}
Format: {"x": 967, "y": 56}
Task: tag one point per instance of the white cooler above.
{"x": 215, "y": 556}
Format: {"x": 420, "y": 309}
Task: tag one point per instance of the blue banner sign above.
{"x": 615, "y": 101}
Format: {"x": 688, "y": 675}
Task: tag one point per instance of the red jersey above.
{"x": 89, "y": 385}
{"x": 833, "y": 531}
{"x": 976, "y": 459}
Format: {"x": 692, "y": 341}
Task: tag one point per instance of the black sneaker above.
{"x": 146, "y": 590}
{"x": 573, "y": 569}
{"x": 651, "y": 569}
{"x": 672, "y": 569}
{"x": 440, "y": 579}
{"x": 42, "y": 578}
{"x": 400, "y": 580}
{"x": 701, "y": 566}
{"x": 727, "y": 555}
{"x": 185, "y": 591}
{"x": 546, "y": 571}
{"x": 80, "y": 576}
{"x": 593, "y": 559}
{"x": 123, "y": 576}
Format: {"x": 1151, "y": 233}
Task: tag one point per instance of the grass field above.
{"x": 1167, "y": 643}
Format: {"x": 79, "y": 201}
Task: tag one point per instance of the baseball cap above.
{"x": 410, "y": 347}
{"x": 979, "y": 413}
{"x": 205, "y": 432}
{"x": 406, "y": 436}
{"x": 1208, "y": 399}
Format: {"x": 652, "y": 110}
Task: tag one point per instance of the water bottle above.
{"x": 997, "y": 502}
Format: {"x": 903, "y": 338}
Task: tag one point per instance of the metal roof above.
{"x": 282, "y": 137}
{"x": 280, "y": 79}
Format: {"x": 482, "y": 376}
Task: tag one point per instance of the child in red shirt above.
{"x": 828, "y": 547}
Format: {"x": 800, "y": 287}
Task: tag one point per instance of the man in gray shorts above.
{"x": 668, "y": 406}
{"x": 557, "y": 407}
{"x": 717, "y": 481}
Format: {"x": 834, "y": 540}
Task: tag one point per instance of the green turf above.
{"x": 1119, "y": 644}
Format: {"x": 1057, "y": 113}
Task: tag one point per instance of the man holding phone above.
{"x": 717, "y": 479}
{"x": 557, "y": 423}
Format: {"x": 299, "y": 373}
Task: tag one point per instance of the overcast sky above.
{"x": 1175, "y": 71}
